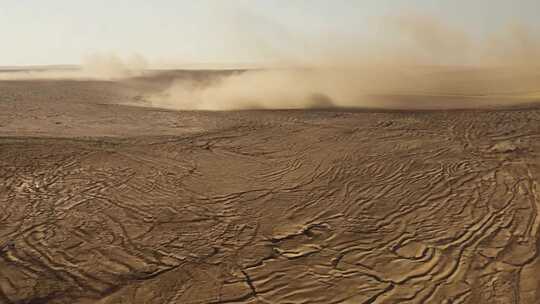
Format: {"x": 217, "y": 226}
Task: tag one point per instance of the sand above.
{"x": 106, "y": 202}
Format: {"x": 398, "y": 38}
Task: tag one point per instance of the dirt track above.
{"x": 106, "y": 203}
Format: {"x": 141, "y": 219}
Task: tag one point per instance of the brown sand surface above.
{"x": 104, "y": 202}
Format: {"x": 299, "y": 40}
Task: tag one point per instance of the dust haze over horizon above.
{"x": 269, "y": 151}
{"x": 312, "y": 53}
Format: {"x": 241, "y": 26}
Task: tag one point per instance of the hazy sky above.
{"x": 224, "y": 31}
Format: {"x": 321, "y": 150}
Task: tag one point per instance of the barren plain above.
{"x": 105, "y": 202}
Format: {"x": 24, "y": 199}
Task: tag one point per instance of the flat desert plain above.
{"x": 104, "y": 201}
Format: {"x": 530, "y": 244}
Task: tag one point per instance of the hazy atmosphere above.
{"x": 272, "y": 152}
{"x": 183, "y": 33}
{"x": 344, "y": 53}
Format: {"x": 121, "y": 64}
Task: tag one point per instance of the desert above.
{"x": 107, "y": 200}
{"x": 270, "y": 151}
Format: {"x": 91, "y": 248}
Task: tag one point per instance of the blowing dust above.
{"x": 417, "y": 61}
{"x": 412, "y": 61}
{"x": 96, "y": 66}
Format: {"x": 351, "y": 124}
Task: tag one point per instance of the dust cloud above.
{"x": 95, "y": 66}
{"x": 412, "y": 61}
{"x": 415, "y": 61}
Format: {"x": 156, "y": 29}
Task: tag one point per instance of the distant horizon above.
{"x": 248, "y": 66}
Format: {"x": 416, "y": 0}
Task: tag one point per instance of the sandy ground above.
{"x": 102, "y": 202}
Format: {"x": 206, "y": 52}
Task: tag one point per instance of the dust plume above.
{"x": 111, "y": 66}
{"x": 416, "y": 61}
{"x": 95, "y": 66}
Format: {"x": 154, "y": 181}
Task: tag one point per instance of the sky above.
{"x": 37, "y": 32}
